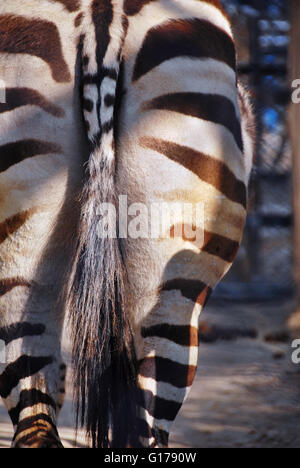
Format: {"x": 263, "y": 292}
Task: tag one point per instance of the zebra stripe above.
{"x": 13, "y": 224}
{"x": 13, "y": 153}
{"x": 20, "y": 330}
{"x": 160, "y": 408}
{"x": 204, "y": 166}
{"x": 193, "y": 38}
{"x": 8, "y": 284}
{"x": 33, "y": 429}
{"x": 133, "y": 7}
{"x": 24, "y": 366}
{"x": 213, "y": 108}
{"x": 70, "y": 5}
{"x": 78, "y": 20}
{"x": 184, "y": 335}
{"x": 168, "y": 371}
{"x": 18, "y": 97}
{"x": 28, "y": 399}
{"x": 43, "y": 41}
{"x": 191, "y": 289}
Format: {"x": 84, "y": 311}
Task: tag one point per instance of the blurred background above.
{"x": 265, "y": 266}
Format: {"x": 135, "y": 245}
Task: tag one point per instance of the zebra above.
{"x": 106, "y": 99}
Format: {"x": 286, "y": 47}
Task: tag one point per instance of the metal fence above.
{"x": 263, "y": 269}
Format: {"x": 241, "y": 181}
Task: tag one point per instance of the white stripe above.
{"x": 116, "y": 35}
{"x": 186, "y": 355}
{"x": 183, "y": 74}
{"x": 163, "y": 389}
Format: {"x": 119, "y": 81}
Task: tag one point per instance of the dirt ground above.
{"x": 247, "y": 391}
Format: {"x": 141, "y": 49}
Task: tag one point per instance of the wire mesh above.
{"x": 263, "y": 268}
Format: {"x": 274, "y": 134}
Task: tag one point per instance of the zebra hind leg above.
{"x": 31, "y": 376}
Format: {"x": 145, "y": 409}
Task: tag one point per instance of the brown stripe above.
{"x": 17, "y": 97}
{"x": 13, "y": 224}
{"x": 70, "y": 5}
{"x": 133, "y": 7}
{"x": 78, "y": 20}
{"x": 210, "y": 107}
{"x": 19, "y": 35}
{"x": 13, "y": 153}
{"x": 208, "y": 169}
{"x": 189, "y": 38}
{"x": 7, "y": 285}
{"x": 204, "y": 296}
{"x": 214, "y": 244}
{"x": 183, "y": 335}
{"x": 189, "y": 288}
{"x": 37, "y": 431}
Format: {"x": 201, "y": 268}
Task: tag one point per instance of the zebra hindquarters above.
{"x": 182, "y": 168}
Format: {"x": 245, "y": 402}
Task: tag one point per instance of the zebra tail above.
{"x": 105, "y": 366}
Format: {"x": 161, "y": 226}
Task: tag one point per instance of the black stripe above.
{"x": 103, "y": 73}
{"x": 14, "y": 153}
{"x": 210, "y": 107}
{"x": 102, "y": 14}
{"x": 195, "y": 38}
{"x": 109, "y": 100}
{"x": 162, "y": 437}
{"x": 220, "y": 246}
{"x": 189, "y": 288}
{"x": 20, "y": 330}
{"x": 168, "y": 371}
{"x": 25, "y": 366}
{"x": 207, "y": 168}
{"x": 160, "y": 408}
{"x": 183, "y": 335}
{"x": 20, "y": 35}
{"x": 108, "y": 126}
{"x": 87, "y": 104}
{"x": 29, "y": 398}
{"x": 143, "y": 428}
{"x": 31, "y": 438}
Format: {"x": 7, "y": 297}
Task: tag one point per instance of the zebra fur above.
{"x": 164, "y": 121}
